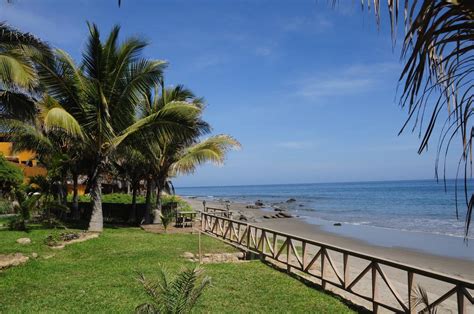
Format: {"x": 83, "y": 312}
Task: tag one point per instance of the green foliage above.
{"x": 114, "y": 198}
{"x": 182, "y": 204}
{"x": 166, "y": 219}
{"x": 5, "y": 206}
{"x": 56, "y": 239}
{"x": 17, "y": 223}
{"x": 10, "y": 175}
{"x": 176, "y": 295}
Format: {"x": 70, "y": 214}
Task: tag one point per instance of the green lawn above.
{"x": 99, "y": 276}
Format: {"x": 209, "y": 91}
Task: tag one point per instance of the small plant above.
{"x": 166, "y": 219}
{"x": 175, "y": 295}
{"x": 17, "y": 223}
{"x": 420, "y": 297}
{"x": 56, "y": 239}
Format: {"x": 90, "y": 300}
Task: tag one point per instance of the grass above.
{"x": 99, "y": 276}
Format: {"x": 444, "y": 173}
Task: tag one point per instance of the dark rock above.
{"x": 274, "y": 216}
{"x": 285, "y": 215}
{"x": 279, "y": 215}
{"x": 300, "y": 205}
{"x": 337, "y": 224}
{"x": 291, "y": 200}
{"x": 266, "y": 217}
{"x": 251, "y": 207}
{"x": 243, "y": 218}
{"x": 278, "y": 209}
{"x": 259, "y": 203}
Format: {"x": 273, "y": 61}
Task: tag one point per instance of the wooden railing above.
{"x": 347, "y": 270}
{"x": 218, "y": 211}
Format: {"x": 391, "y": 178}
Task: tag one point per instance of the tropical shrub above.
{"x": 11, "y": 175}
{"x": 166, "y": 219}
{"x": 5, "y": 206}
{"x": 114, "y": 198}
{"x": 173, "y": 295}
{"x": 182, "y": 204}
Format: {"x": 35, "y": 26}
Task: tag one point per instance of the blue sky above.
{"x": 308, "y": 90}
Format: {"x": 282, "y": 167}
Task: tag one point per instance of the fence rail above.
{"x": 345, "y": 269}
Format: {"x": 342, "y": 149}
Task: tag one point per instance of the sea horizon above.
{"x": 424, "y": 205}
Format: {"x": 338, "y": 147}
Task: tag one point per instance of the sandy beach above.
{"x": 459, "y": 267}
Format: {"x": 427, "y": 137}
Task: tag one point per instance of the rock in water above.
{"x": 291, "y": 200}
{"x": 259, "y": 203}
{"x": 243, "y": 218}
{"x": 23, "y": 241}
{"x": 337, "y": 224}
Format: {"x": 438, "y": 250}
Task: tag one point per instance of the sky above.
{"x": 310, "y": 91}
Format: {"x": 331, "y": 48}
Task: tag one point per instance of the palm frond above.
{"x": 18, "y": 106}
{"x": 17, "y": 69}
{"x": 178, "y": 295}
{"x": 213, "y": 149}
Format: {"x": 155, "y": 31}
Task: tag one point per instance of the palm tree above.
{"x": 101, "y": 95}
{"x": 156, "y": 100}
{"x": 18, "y": 76}
{"x": 184, "y": 159}
{"x": 175, "y": 295}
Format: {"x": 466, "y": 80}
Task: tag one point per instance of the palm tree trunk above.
{"x": 133, "y": 212}
{"x": 75, "y": 197}
{"x": 157, "y": 210}
{"x": 96, "y": 223}
{"x": 149, "y": 189}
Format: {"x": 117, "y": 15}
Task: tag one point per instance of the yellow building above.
{"x": 25, "y": 159}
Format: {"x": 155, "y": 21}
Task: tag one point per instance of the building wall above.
{"x": 21, "y": 159}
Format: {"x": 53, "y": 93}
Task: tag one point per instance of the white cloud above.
{"x": 354, "y": 79}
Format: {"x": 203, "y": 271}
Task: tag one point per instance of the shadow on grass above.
{"x": 313, "y": 285}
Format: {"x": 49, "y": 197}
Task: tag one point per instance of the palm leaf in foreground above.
{"x": 175, "y": 295}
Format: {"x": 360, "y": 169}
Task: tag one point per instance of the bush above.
{"x": 17, "y": 223}
{"x": 113, "y": 198}
{"x": 182, "y": 204}
{"x": 10, "y": 175}
{"x": 5, "y": 206}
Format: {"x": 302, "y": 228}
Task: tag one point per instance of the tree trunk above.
{"x": 76, "y": 215}
{"x": 133, "y": 212}
{"x": 149, "y": 189}
{"x": 96, "y": 223}
{"x": 157, "y": 210}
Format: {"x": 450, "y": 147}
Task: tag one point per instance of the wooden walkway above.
{"x": 353, "y": 273}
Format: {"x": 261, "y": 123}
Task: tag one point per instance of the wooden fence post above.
{"x": 375, "y": 306}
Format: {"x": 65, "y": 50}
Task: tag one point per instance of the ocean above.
{"x": 419, "y": 206}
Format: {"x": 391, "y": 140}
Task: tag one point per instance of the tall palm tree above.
{"x": 102, "y": 93}
{"x": 156, "y": 100}
{"x": 171, "y": 156}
